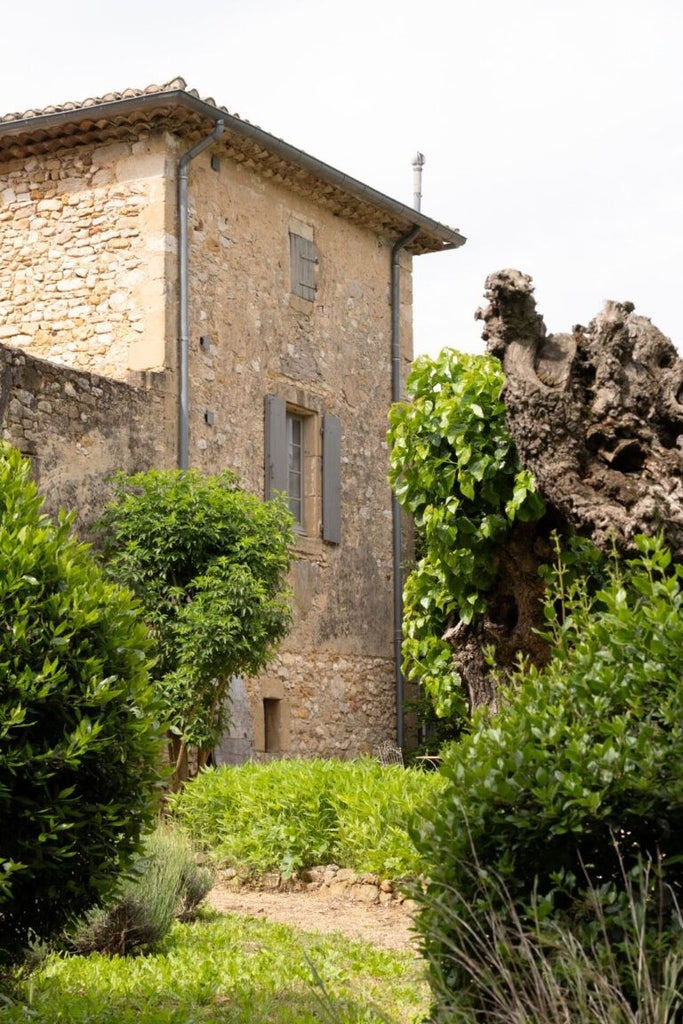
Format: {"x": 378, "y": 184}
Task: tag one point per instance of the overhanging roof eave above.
{"x": 433, "y": 236}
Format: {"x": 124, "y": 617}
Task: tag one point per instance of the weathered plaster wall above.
{"x": 85, "y": 241}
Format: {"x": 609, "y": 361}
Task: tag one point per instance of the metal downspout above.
{"x": 183, "y": 292}
{"x": 395, "y": 507}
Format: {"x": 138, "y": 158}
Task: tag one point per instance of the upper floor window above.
{"x": 303, "y": 259}
{"x": 295, "y": 468}
{"x": 303, "y": 460}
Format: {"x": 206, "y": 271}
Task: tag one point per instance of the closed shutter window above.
{"x": 332, "y": 479}
{"x": 293, "y": 457}
{"x": 304, "y": 264}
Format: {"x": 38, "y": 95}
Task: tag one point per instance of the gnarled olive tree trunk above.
{"x": 597, "y": 416}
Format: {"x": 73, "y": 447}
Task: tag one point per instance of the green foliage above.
{"x": 376, "y": 805}
{"x": 580, "y": 775}
{"x": 292, "y": 814}
{"x": 79, "y": 748}
{"x": 208, "y": 563}
{"x": 454, "y": 467}
{"x": 229, "y": 970}
{"x": 166, "y": 884}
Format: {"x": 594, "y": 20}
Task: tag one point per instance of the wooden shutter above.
{"x": 332, "y": 479}
{"x": 275, "y": 446}
{"x": 304, "y": 260}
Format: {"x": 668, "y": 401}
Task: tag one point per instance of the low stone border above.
{"x": 329, "y": 878}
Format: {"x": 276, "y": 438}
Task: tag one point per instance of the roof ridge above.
{"x": 176, "y": 84}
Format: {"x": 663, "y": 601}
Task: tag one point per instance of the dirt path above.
{"x": 319, "y": 911}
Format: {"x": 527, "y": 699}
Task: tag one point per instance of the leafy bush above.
{"x": 292, "y": 814}
{"x": 375, "y": 806}
{"x": 208, "y": 563}
{"x": 166, "y": 885}
{"x": 578, "y": 777}
{"x": 79, "y": 748}
{"x": 455, "y": 468}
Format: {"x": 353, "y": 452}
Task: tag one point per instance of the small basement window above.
{"x": 272, "y": 725}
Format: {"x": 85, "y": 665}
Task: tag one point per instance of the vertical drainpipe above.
{"x": 183, "y": 292}
{"x": 395, "y": 507}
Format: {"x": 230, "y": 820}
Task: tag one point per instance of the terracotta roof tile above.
{"x": 174, "y": 85}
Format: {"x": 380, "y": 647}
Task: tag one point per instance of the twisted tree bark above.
{"x": 597, "y": 416}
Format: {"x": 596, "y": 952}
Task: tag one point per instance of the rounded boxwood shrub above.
{"x": 80, "y": 752}
{"x": 553, "y": 804}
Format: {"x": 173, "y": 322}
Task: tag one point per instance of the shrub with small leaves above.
{"x": 80, "y": 744}
{"x": 292, "y": 814}
{"x": 579, "y": 777}
{"x": 208, "y": 562}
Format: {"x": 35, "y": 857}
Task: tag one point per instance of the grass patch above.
{"x": 229, "y": 970}
{"x": 292, "y": 814}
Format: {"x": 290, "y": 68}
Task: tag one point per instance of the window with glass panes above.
{"x": 295, "y": 467}
{"x": 303, "y": 461}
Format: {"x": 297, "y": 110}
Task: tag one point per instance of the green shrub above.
{"x": 166, "y": 885}
{"x": 375, "y": 806}
{"x": 263, "y": 817}
{"x": 292, "y": 814}
{"x": 208, "y": 562}
{"x": 579, "y": 776}
{"x": 79, "y": 748}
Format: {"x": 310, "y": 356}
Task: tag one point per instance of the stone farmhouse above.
{"x": 180, "y": 288}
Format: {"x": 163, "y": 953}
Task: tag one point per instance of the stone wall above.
{"x": 88, "y": 282}
{"x": 333, "y": 705}
{"x": 338, "y": 883}
{"x": 78, "y": 428}
{"x": 84, "y": 247}
{"x": 333, "y": 682}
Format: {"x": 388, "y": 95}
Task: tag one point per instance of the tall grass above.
{"x": 535, "y": 970}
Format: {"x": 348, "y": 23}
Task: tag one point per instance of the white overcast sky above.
{"x": 551, "y": 128}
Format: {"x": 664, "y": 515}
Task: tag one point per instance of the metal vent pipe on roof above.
{"x": 418, "y": 164}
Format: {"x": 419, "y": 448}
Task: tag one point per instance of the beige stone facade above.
{"x": 89, "y": 324}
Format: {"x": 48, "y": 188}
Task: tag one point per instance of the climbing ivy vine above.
{"x": 455, "y": 468}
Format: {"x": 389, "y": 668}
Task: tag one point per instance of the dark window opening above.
{"x": 272, "y": 725}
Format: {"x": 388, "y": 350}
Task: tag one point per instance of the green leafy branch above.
{"x": 455, "y": 468}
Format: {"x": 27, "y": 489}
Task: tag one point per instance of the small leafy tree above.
{"x": 556, "y": 801}
{"x": 208, "y": 563}
{"x": 455, "y": 468}
{"x": 80, "y": 750}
